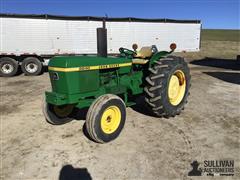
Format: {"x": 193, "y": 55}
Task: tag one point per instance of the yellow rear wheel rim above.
{"x": 176, "y": 87}
{"x": 110, "y": 120}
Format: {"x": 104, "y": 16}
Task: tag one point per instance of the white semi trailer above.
{"x": 28, "y": 41}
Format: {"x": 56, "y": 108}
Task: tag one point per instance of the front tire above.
{"x": 106, "y": 118}
{"x": 31, "y": 66}
{"x": 57, "y": 115}
{"x": 8, "y": 67}
{"x": 167, "y": 86}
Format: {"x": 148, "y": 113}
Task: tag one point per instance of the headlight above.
{"x": 54, "y": 76}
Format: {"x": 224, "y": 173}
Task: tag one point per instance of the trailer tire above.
{"x": 106, "y": 118}
{"x": 32, "y": 66}
{"x": 8, "y": 67}
{"x": 167, "y": 86}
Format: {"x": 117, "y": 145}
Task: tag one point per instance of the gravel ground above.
{"x": 147, "y": 148}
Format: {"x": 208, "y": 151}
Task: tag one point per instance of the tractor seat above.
{"x": 144, "y": 52}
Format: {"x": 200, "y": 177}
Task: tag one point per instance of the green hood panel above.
{"x": 78, "y": 61}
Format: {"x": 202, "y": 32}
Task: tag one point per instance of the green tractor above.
{"x": 107, "y": 84}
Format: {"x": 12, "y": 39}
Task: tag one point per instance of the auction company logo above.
{"x": 212, "y": 168}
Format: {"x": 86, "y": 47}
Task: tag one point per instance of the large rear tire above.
{"x": 31, "y": 66}
{"x": 106, "y": 118}
{"x": 57, "y": 115}
{"x": 167, "y": 86}
{"x": 8, "y": 67}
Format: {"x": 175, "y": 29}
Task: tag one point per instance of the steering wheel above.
{"x": 127, "y": 52}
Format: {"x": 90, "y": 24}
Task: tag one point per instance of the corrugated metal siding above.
{"x": 186, "y": 36}
{"x": 73, "y": 36}
{"x": 47, "y": 36}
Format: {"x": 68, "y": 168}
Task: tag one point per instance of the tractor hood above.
{"x": 88, "y": 62}
{"x": 81, "y": 74}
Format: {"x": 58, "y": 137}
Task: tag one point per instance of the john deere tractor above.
{"x": 108, "y": 84}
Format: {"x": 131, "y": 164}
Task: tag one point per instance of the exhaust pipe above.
{"x": 102, "y": 40}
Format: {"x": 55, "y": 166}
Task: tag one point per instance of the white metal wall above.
{"x": 40, "y": 36}
{"x": 186, "y": 36}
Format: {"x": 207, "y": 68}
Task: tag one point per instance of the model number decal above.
{"x": 87, "y": 68}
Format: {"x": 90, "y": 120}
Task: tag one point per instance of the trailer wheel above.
{"x": 31, "y": 66}
{"x": 8, "y": 67}
{"x": 57, "y": 115}
{"x": 106, "y": 118}
{"x": 167, "y": 86}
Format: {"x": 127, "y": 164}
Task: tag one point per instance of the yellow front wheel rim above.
{"x": 110, "y": 120}
{"x": 176, "y": 87}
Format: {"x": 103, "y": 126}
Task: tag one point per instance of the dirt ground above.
{"x": 147, "y": 148}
